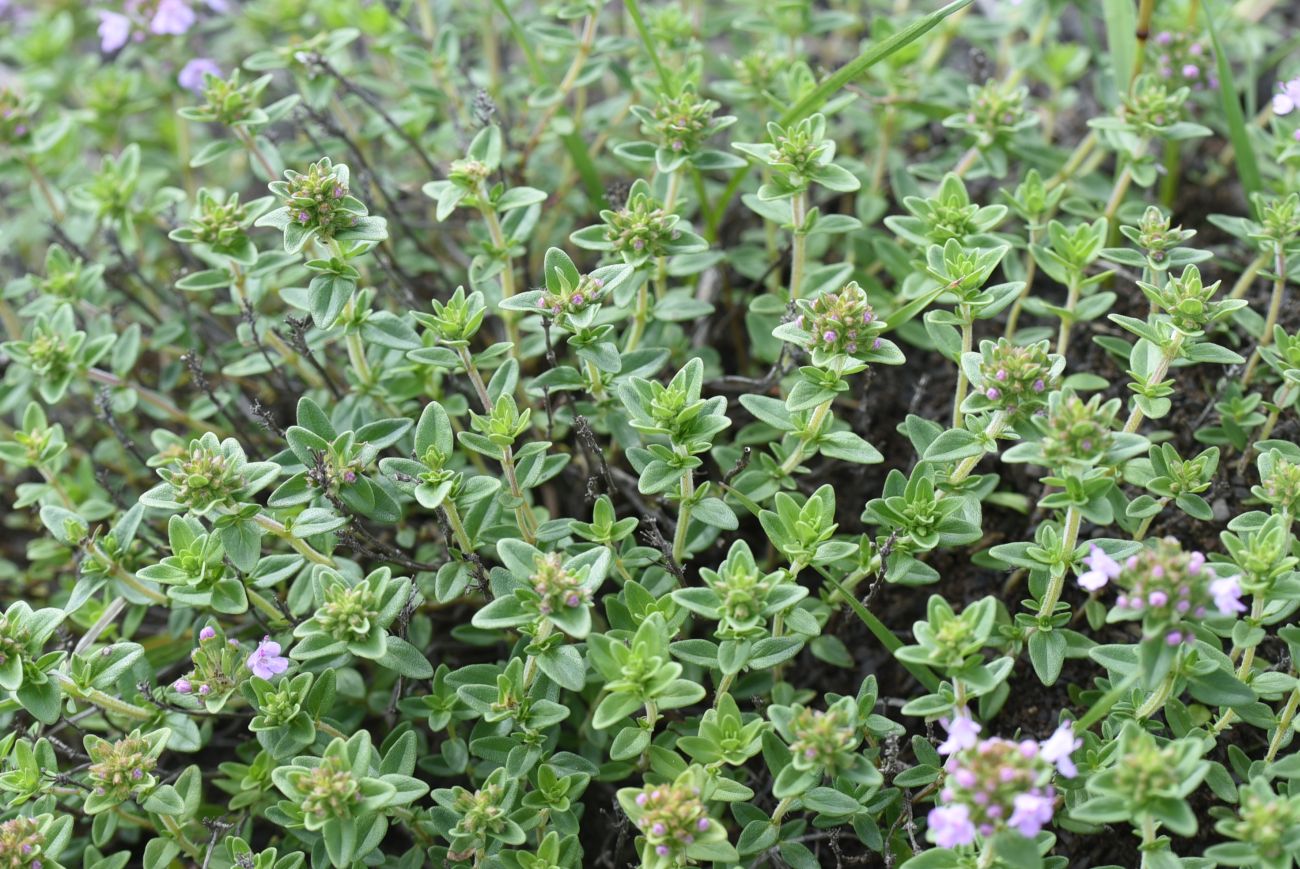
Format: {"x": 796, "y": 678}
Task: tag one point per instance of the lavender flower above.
{"x": 1226, "y": 592}
{"x": 1102, "y": 569}
{"x": 207, "y": 632}
{"x": 1058, "y": 748}
{"x": 192, "y": 74}
{"x": 1287, "y": 99}
{"x": 266, "y": 660}
{"x": 173, "y": 17}
{"x": 962, "y": 733}
{"x": 114, "y": 31}
{"x": 1032, "y": 811}
{"x": 950, "y": 826}
{"x": 182, "y": 686}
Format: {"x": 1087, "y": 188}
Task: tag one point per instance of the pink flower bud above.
{"x": 207, "y": 633}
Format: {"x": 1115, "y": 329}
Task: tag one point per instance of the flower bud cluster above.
{"x": 557, "y": 587}
{"x": 15, "y": 119}
{"x": 1280, "y": 485}
{"x": 1187, "y": 300}
{"x": 1017, "y": 378}
{"x": 683, "y": 122}
{"x": 13, "y": 640}
{"x": 824, "y": 739}
{"x": 21, "y": 842}
{"x": 1265, "y": 820}
{"x": 1163, "y": 586}
{"x": 469, "y": 173}
{"x": 588, "y": 292}
{"x": 996, "y": 111}
{"x": 118, "y": 768}
{"x": 642, "y": 228}
{"x": 319, "y": 199}
{"x": 671, "y": 816}
{"x": 216, "y": 660}
{"x": 480, "y": 811}
{"x": 329, "y": 789}
{"x": 1155, "y": 103}
{"x": 1185, "y": 61}
{"x": 1155, "y": 235}
{"x": 219, "y": 224}
{"x": 842, "y": 322}
{"x": 204, "y": 476}
{"x": 742, "y": 591}
{"x": 1078, "y": 431}
{"x": 348, "y": 613}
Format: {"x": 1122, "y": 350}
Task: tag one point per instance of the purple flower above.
{"x": 207, "y": 633}
{"x": 962, "y": 731}
{"x": 205, "y": 689}
{"x": 1191, "y": 70}
{"x": 218, "y": 5}
{"x": 1226, "y": 592}
{"x": 829, "y": 336}
{"x": 993, "y": 393}
{"x": 182, "y": 686}
{"x": 1102, "y": 569}
{"x": 266, "y": 660}
{"x": 1032, "y": 811}
{"x": 173, "y": 17}
{"x": 1059, "y": 746}
{"x": 661, "y": 850}
{"x": 950, "y": 826}
{"x": 114, "y": 30}
{"x": 1286, "y": 101}
{"x": 194, "y": 71}
{"x": 703, "y": 824}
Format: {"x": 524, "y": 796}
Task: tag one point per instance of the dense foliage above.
{"x": 534, "y": 435}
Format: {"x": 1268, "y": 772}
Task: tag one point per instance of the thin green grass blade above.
{"x": 882, "y": 633}
{"x": 1121, "y": 40}
{"x": 1242, "y": 150}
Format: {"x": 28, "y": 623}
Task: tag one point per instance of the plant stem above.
{"x": 1073, "y": 518}
{"x": 967, "y": 341}
{"x": 502, "y": 249}
{"x": 798, "y": 241}
{"x": 1031, "y": 269}
{"x": 1157, "y": 377}
{"x": 813, "y": 429}
{"x": 457, "y": 526}
{"x": 1067, "y": 322}
{"x": 639, "y": 317}
{"x": 1158, "y": 698}
{"x": 1274, "y": 308}
{"x": 585, "y": 42}
{"x": 997, "y": 424}
{"x": 967, "y": 161}
{"x": 1142, "y": 529}
{"x": 106, "y": 702}
{"x": 683, "y": 511}
{"x": 299, "y": 545}
{"x": 250, "y": 145}
{"x": 1248, "y": 276}
{"x": 1283, "y": 725}
{"x": 475, "y": 378}
{"x": 530, "y": 666}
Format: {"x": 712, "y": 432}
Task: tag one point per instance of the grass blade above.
{"x": 1242, "y": 150}
{"x": 882, "y": 633}
{"x": 1121, "y": 39}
